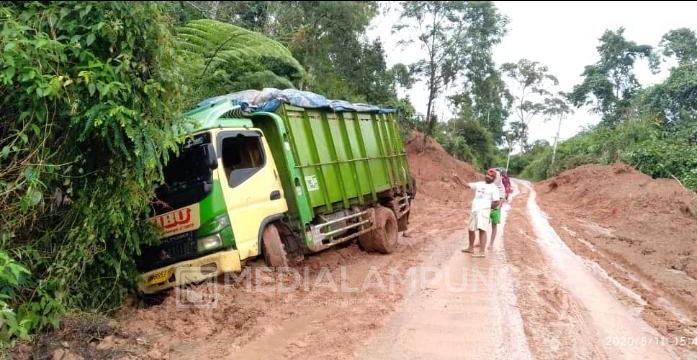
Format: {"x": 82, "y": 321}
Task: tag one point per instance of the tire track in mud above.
{"x": 563, "y": 295}
{"x": 554, "y": 324}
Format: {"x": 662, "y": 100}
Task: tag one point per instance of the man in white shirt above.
{"x": 486, "y": 197}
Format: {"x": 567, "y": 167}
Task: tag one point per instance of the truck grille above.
{"x": 171, "y": 250}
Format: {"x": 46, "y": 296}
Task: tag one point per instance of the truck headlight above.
{"x": 215, "y": 225}
{"x": 209, "y": 243}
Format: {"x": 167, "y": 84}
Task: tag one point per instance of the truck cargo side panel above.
{"x": 374, "y": 153}
{"x": 345, "y": 158}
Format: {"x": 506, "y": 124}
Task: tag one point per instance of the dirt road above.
{"x": 571, "y": 307}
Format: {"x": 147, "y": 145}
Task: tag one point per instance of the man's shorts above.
{"x": 479, "y": 220}
{"x": 496, "y": 216}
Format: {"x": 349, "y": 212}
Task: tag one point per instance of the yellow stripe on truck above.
{"x": 186, "y": 272}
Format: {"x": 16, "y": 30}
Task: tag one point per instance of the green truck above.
{"x": 279, "y": 184}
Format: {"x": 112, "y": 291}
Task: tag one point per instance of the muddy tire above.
{"x": 274, "y": 251}
{"x": 155, "y": 299}
{"x": 383, "y": 238}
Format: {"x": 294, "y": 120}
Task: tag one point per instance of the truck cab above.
{"x": 218, "y": 192}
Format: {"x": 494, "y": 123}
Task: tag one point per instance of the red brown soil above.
{"x": 435, "y": 170}
{"x": 642, "y": 231}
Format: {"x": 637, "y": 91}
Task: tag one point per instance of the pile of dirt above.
{"x": 436, "y": 172}
{"x": 641, "y": 230}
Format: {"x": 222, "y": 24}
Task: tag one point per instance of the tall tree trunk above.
{"x": 213, "y": 11}
{"x": 431, "y": 96}
{"x": 429, "y": 120}
{"x": 554, "y": 149}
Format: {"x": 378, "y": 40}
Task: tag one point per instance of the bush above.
{"x": 539, "y": 167}
{"x": 90, "y": 92}
{"x": 467, "y": 140}
{"x": 646, "y": 143}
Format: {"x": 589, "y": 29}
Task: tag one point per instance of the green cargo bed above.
{"x": 345, "y": 158}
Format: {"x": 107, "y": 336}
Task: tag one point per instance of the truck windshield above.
{"x": 187, "y": 177}
{"x": 189, "y": 167}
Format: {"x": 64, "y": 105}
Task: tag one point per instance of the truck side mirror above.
{"x": 211, "y": 159}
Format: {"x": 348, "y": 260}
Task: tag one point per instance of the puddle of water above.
{"x": 571, "y": 232}
{"x": 621, "y": 332}
{"x": 603, "y": 275}
{"x": 677, "y": 313}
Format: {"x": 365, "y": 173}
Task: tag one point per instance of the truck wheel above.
{"x": 152, "y": 299}
{"x": 274, "y": 252}
{"x": 383, "y": 238}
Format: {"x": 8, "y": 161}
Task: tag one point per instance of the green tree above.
{"x": 676, "y": 97}
{"x": 488, "y": 102}
{"x": 610, "y": 84}
{"x": 490, "y": 97}
{"x": 367, "y": 76}
{"x": 467, "y": 140}
{"x": 681, "y": 43}
{"x": 534, "y": 84}
{"x": 455, "y": 35}
{"x": 88, "y": 113}
{"x": 559, "y": 107}
{"x": 325, "y": 37}
{"x": 221, "y": 58}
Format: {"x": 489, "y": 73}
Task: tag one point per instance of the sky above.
{"x": 561, "y": 35}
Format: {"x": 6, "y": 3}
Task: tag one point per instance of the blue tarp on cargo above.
{"x": 269, "y": 99}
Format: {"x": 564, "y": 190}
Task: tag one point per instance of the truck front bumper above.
{"x": 190, "y": 271}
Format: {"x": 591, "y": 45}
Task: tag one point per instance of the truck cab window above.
{"x": 242, "y": 157}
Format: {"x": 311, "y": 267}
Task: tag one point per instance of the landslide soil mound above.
{"x": 435, "y": 170}
{"x": 641, "y": 230}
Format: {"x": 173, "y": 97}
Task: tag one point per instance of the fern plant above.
{"x": 222, "y": 58}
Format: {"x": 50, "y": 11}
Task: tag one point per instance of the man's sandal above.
{"x": 478, "y": 254}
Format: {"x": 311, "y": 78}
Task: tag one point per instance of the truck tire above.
{"x": 152, "y": 299}
{"x": 383, "y": 238}
{"x": 274, "y": 251}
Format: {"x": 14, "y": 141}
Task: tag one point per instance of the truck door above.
{"x": 251, "y": 186}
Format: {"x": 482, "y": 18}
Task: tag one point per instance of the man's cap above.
{"x": 491, "y": 173}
